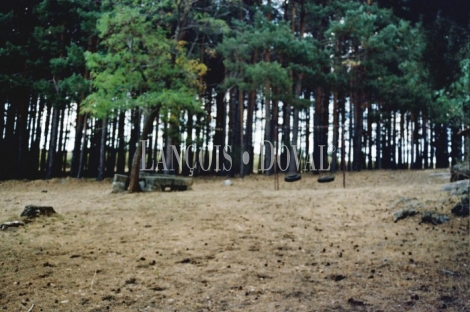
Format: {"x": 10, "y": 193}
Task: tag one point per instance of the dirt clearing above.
{"x": 245, "y": 247}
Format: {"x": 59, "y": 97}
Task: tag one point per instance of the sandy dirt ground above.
{"x": 245, "y": 247}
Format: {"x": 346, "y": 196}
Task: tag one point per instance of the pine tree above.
{"x": 140, "y": 66}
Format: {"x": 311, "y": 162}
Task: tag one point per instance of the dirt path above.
{"x": 306, "y": 247}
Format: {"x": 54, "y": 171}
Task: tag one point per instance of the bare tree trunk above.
{"x": 370, "y": 116}
{"x": 102, "y": 158}
{"x": 21, "y": 127}
{"x": 59, "y": 159}
{"x": 35, "y": 145}
{"x": 307, "y": 136}
{"x": 52, "y": 143}
{"x": 235, "y": 127}
{"x": 269, "y": 127}
{"x": 82, "y": 150}
{"x": 401, "y": 140}
{"x": 64, "y": 146}
{"x": 378, "y": 140}
{"x": 295, "y": 127}
{"x": 426, "y": 142}
{"x": 241, "y": 117}
{"x": 77, "y": 143}
{"x": 134, "y": 176}
{"x": 2, "y": 140}
{"x": 249, "y": 131}
{"x": 321, "y": 127}
{"x": 456, "y": 145}
{"x": 121, "y": 157}
{"x": 112, "y": 149}
{"x": 335, "y": 130}
{"x": 46, "y": 135}
{"x": 220, "y": 133}
{"x": 357, "y": 143}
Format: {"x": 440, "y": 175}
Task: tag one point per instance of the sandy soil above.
{"x": 246, "y": 247}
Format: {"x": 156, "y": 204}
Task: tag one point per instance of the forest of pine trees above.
{"x": 83, "y": 83}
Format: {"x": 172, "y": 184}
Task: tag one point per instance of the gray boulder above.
{"x": 434, "y": 218}
{"x": 404, "y": 213}
{"x": 462, "y": 208}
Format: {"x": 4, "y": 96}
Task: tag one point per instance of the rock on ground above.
{"x": 403, "y": 213}
{"x": 32, "y": 211}
{"x": 434, "y": 218}
{"x": 6, "y": 225}
{"x": 457, "y": 188}
{"x": 460, "y": 172}
{"x": 462, "y": 208}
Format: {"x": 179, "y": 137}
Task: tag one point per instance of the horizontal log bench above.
{"x": 153, "y": 182}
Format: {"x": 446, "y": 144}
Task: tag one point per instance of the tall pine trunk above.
{"x": 220, "y": 133}
{"x": 269, "y": 127}
{"x": 121, "y": 157}
{"x": 456, "y": 145}
{"x": 401, "y": 141}
{"x": 321, "y": 129}
{"x": 134, "y": 141}
{"x": 102, "y": 157}
{"x": 426, "y": 142}
{"x": 22, "y": 130}
{"x": 249, "y": 131}
{"x": 134, "y": 185}
{"x": 241, "y": 117}
{"x": 82, "y": 160}
{"x": 58, "y": 161}
{"x": 234, "y": 126}
{"x": 334, "y": 162}
{"x": 77, "y": 143}
{"x": 2, "y": 140}
{"x": 357, "y": 143}
{"x": 112, "y": 149}
{"x": 378, "y": 139}
{"x": 52, "y": 143}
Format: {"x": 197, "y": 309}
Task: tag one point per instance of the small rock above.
{"x": 6, "y": 225}
{"x": 131, "y": 280}
{"x": 414, "y": 297}
{"x": 227, "y": 182}
{"x": 355, "y": 302}
{"x": 462, "y": 208}
{"x": 337, "y": 277}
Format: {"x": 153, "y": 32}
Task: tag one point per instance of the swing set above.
{"x": 293, "y": 177}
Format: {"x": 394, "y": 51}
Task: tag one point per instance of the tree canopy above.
{"x": 83, "y": 83}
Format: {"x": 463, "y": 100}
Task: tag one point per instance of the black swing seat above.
{"x": 292, "y": 178}
{"x": 326, "y": 179}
